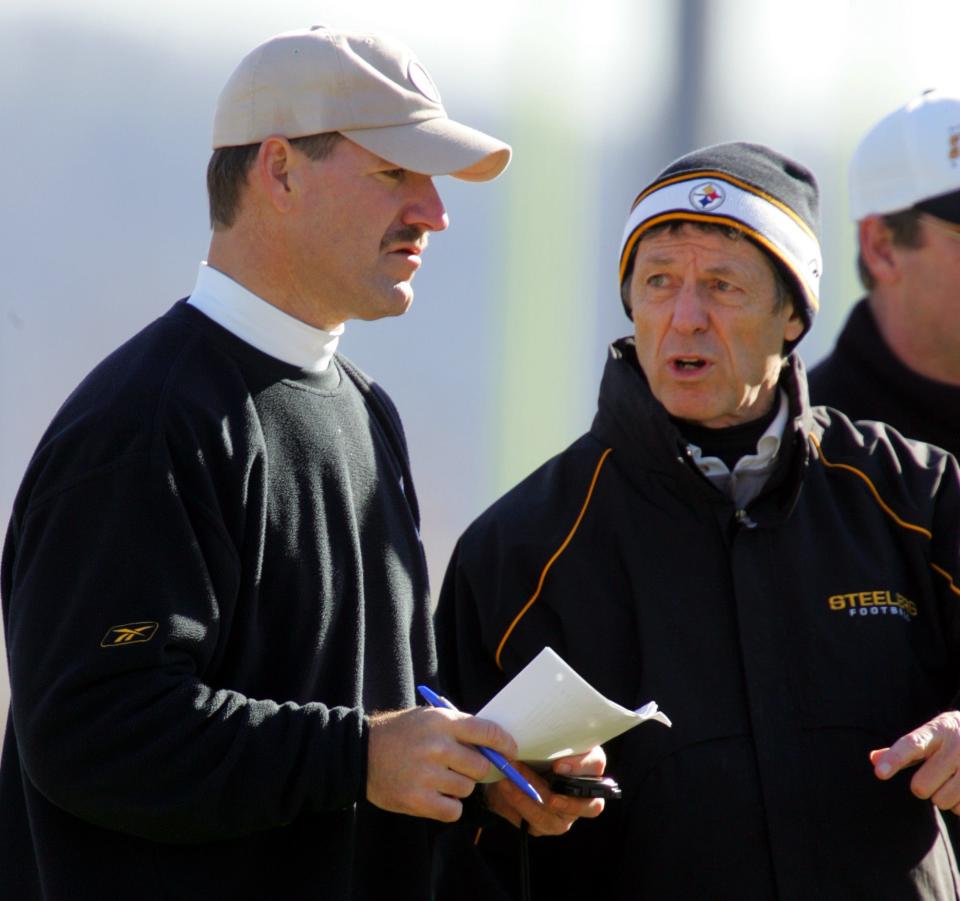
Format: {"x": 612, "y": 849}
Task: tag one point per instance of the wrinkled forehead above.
{"x": 714, "y": 247}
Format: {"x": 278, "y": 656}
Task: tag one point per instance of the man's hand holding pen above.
{"x": 423, "y": 760}
{"x": 525, "y": 796}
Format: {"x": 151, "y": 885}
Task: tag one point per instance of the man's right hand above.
{"x": 421, "y": 761}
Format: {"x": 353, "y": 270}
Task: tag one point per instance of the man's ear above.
{"x": 271, "y": 172}
{"x": 877, "y": 249}
{"x": 793, "y": 328}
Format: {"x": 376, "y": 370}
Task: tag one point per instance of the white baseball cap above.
{"x": 910, "y": 159}
{"x": 368, "y": 87}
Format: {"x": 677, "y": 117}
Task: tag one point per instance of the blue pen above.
{"x": 497, "y": 759}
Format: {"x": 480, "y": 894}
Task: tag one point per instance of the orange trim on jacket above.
{"x": 886, "y": 509}
{"x": 552, "y": 560}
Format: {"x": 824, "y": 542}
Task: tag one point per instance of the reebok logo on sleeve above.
{"x": 129, "y": 633}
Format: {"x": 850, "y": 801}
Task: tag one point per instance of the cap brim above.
{"x": 437, "y": 146}
{"x": 946, "y": 206}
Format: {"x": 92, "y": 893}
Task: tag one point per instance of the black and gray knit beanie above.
{"x": 772, "y": 199}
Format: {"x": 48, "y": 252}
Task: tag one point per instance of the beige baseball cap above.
{"x": 368, "y": 87}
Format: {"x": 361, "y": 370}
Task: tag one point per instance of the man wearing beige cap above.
{"x": 215, "y": 596}
{"x": 897, "y": 359}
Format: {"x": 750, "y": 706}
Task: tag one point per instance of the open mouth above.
{"x": 689, "y": 364}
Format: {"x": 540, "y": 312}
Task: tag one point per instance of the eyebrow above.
{"x": 664, "y": 259}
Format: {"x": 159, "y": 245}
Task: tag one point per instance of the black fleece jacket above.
{"x": 785, "y": 641}
{"x": 862, "y": 378}
{"x": 212, "y": 571}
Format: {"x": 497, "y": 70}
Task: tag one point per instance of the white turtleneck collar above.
{"x": 261, "y": 324}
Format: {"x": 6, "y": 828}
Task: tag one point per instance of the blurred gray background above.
{"x": 106, "y": 111}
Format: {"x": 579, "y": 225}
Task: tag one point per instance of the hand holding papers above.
{"x": 551, "y": 712}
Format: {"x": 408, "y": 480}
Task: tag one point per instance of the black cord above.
{"x": 524, "y": 862}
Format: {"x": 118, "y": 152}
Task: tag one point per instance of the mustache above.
{"x": 407, "y": 234}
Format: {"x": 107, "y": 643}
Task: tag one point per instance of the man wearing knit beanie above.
{"x": 784, "y": 583}
{"x": 898, "y": 356}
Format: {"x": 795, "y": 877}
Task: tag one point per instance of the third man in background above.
{"x": 898, "y": 357}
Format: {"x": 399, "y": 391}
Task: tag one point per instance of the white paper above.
{"x": 551, "y": 712}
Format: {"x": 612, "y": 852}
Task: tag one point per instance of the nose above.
{"x": 689, "y": 313}
{"x": 426, "y": 209}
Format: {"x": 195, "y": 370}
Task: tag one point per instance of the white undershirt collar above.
{"x": 261, "y": 324}
{"x": 767, "y": 447}
{"x": 750, "y": 473}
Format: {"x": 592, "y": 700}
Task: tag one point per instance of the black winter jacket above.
{"x": 785, "y": 641}
{"x": 864, "y": 379}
